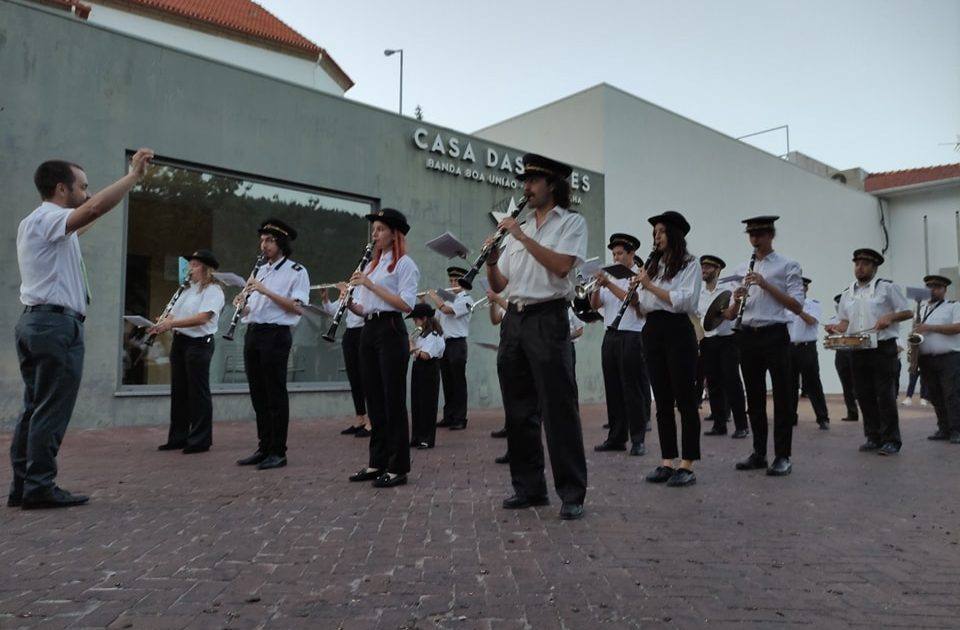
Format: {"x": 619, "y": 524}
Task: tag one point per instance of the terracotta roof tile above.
{"x": 909, "y": 177}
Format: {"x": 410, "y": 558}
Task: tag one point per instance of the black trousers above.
{"x": 805, "y": 364}
{"x": 876, "y": 377}
{"x": 762, "y": 350}
{"x": 351, "y": 361}
{"x": 384, "y": 356}
{"x": 843, "y": 361}
{"x": 453, "y": 369}
{"x": 539, "y": 386}
{"x": 266, "y": 350}
{"x": 424, "y": 399}
{"x": 626, "y": 385}
{"x": 941, "y": 374}
{"x": 50, "y": 349}
{"x": 191, "y": 408}
{"x": 671, "y": 345}
{"x": 720, "y": 358}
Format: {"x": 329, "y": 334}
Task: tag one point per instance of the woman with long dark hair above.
{"x": 670, "y": 289}
{"x": 387, "y": 289}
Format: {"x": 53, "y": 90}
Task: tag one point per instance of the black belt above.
{"x": 804, "y": 343}
{"x": 760, "y": 329}
{"x": 537, "y": 306}
{"x": 56, "y": 308}
{"x": 265, "y": 326}
{"x": 381, "y": 315}
{"x": 188, "y": 339}
{"x": 449, "y": 339}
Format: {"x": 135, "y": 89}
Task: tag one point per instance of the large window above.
{"x": 179, "y": 208}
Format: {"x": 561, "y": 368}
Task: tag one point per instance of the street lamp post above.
{"x": 389, "y": 52}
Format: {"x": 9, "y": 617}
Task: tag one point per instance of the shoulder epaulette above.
{"x": 879, "y": 280}
{"x": 297, "y": 267}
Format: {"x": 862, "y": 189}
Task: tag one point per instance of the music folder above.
{"x": 618, "y": 271}
{"x": 448, "y": 246}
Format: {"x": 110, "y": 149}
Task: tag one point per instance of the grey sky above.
{"x": 861, "y": 83}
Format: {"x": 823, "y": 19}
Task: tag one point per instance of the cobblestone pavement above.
{"x": 176, "y": 541}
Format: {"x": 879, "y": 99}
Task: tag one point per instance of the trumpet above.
{"x": 743, "y": 300}
{"x": 331, "y": 333}
{"x": 242, "y": 298}
{"x": 584, "y": 289}
{"x": 480, "y": 303}
{"x": 467, "y": 281}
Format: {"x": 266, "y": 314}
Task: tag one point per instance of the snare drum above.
{"x": 857, "y": 341}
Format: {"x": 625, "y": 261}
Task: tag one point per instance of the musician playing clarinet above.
{"x": 277, "y": 294}
{"x": 772, "y": 286}
{"x": 535, "y": 358}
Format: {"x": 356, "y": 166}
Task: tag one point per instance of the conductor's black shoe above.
{"x": 571, "y": 511}
{"x": 253, "y": 460}
{"x": 501, "y": 433}
{"x": 850, "y": 419}
{"x": 606, "y": 425}
{"x": 187, "y": 450}
{"x": 682, "y": 477}
{"x": 272, "y": 461}
{"x": 607, "y": 445}
{"x": 868, "y": 446}
{"x": 739, "y": 434}
{"x": 362, "y": 432}
{"x": 517, "y": 502}
{"x": 638, "y": 449}
{"x": 350, "y": 430}
{"x": 364, "y": 475}
{"x": 754, "y": 462}
{"x": 55, "y": 498}
{"x": 660, "y": 474}
{"x": 387, "y": 480}
{"x": 781, "y": 467}
{"x": 955, "y": 437}
{"x": 14, "y": 500}
{"x": 171, "y": 446}
{"x": 824, "y": 426}
{"x": 890, "y": 448}
{"x": 939, "y": 435}
{"x": 503, "y": 459}
{"x": 716, "y": 431}
{"x": 458, "y": 426}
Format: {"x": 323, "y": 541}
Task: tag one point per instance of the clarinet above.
{"x": 244, "y": 296}
{"x": 467, "y": 281}
{"x": 331, "y": 333}
{"x": 653, "y": 261}
{"x": 743, "y": 300}
{"x": 166, "y": 310}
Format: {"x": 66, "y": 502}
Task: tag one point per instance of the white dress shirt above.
{"x": 801, "y": 331}
{"x": 352, "y": 319}
{"x": 707, "y": 296}
{"x": 610, "y": 306}
{"x": 192, "y": 302}
{"x": 575, "y": 324}
{"x": 402, "y": 281}
{"x": 684, "y": 289}
{"x": 529, "y": 282}
{"x": 863, "y": 306}
{"x": 285, "y": 278}
{"x": 432, "y": 344}
{"x": 457, "y": 325}
{"x": 940, "y": 313}
{"x": 762, "y": 309}
{"x": 51, "y": 267}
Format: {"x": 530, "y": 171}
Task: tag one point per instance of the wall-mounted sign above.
{"x": 450, "y": 155}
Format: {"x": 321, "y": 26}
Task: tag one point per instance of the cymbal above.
{"x": 714, "y": 316}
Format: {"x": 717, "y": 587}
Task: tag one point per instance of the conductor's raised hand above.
{"x": 140, "y": 161}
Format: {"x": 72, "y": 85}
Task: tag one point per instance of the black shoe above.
{"x": 55, "y": 498}
{"x": 868, "y": 446}
{"x": 14, "y": 500}
{"x": 824, "y": 426}
{"x": 638, "y": 449}
{"x": 850, "y": 419}
{"x": 889, "y": 449}
{"x": 458, "y": 426}
{"x": 365, "y": 475}
{"x": 420, "y": 446}
{"x": 649, "y": 428}
{"x": 716, "y": 431}
{"x": 362, "y": 432}
{"x": 739, "y": 434}
{"x": 571, "y": 511}
{"x": 682, "y": 477}
{"x": 387, "y": 480}
{"x": 660, "y": 474}
{"x": 517, "y": 502}
{"x": 273, "y": 461}
{"x": 187, "y": 450}
{"x": 350, "y": 430}
{"x": 501, "y": 433}
{"x": 708, "y": 418}
{"x": 607, "y": 445}
{"x": 253, "y": 460}
{"x": 781, "y": 467}
{"x": 939, "y": 435}
{"x": 955, "y": 437}
{"x": 606, "y": 426}
{"x": 503, "y": 459}
{"x": 444, "y": 423}
{"x": 171, "y": 446}
{"x": 754, "y": 462}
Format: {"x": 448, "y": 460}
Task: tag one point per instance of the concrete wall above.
{"x": 85, "y": 93}
{"x": 257, "y": 58}
{"x": 656, "y": 160}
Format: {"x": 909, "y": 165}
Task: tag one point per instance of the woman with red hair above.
{"x": 386, "y": 290}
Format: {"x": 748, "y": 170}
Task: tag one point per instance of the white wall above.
{"x": 274, "y": 64}
{"x": 656, "y": 160}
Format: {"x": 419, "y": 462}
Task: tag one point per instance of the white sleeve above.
{"x": 794, "y": 279}
{"x": 461, "y": 305}
{"x": 955, "y": 318}
{"x": 211, "y": 301}
{"x": 573, "y": 238}
{"x": 330, "y": 308}
{"x": 53, "y": 224}
{"x": 300, "y": 291}
{"x": 815, "y": 311}
{"x": 896, "y": 299}
{"x": 408, "y": 279}
{"x": 685, "y": 297}
{"x": 842, "y": 312}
